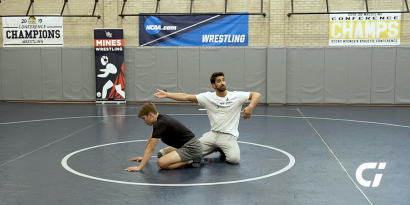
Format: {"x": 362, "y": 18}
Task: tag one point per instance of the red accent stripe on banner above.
{"x": 119, "y": 81}
{"x": 109, "y": 42}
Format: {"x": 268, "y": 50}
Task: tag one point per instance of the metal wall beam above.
{"x": 95, "y": 5}
{"x": 29, "y": 7}
{"x": 190, "y": 14}
{"x": 327, "y": 7}
{"x": 190, "y": 11}
{"x": 156, "y": 10}
{"x": 123, "y": 6}
{"x": 367, "y": 6}
{"x": 61, "y": 15}
{"x": 371, "y": 12}
{"x": 62, "y": 11}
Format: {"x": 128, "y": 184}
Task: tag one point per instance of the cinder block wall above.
{"x": 276, "y": 29}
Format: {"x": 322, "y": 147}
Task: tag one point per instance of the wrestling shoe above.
{"x": 197, "y": 162}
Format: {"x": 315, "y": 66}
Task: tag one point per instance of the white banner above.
{"x": 33, "y": 31}
{"x": 364, "y": 29}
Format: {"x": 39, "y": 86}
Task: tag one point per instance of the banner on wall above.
{"x": 109, "y": 65}
{"x": 195, "y": 30}
{"x": 31, "y": 31}
{"x": 364, "y": 29}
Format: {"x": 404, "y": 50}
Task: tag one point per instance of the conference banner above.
{"x": 194, "y": 30}
{"x": 109, "y": 65}
{"x": 364, "y": 29}
{"x": 32, "y": 31}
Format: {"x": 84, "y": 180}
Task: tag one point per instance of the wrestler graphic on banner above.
{"x": 108, "y": 69}
{"x": 109, "y": 65}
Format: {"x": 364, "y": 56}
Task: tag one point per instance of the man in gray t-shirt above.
{"x": 223, "y": 108}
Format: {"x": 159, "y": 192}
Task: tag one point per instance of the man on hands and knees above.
{"x": 223, "y": 108}
{"x": 184, "y": 148}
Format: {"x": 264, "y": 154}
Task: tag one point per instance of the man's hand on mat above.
{"x": 133, "y": 169}
{"x": 138, "y": 159}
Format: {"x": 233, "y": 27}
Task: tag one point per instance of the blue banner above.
{"x": 195, "y": 30}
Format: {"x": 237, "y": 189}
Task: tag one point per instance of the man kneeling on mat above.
{"x": 184, "y": 148}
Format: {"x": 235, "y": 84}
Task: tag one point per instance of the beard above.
{"x": 221, "y": 89}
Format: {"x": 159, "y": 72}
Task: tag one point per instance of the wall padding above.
{"x": 89, "y": 76}
{"x": 11, "y": 73}
{"x": 188, "y": 70}
{"x": 166, "y": 73}
{"x": 145, "y": 79}
{"x": 31, "y": 75}
{"x": 52, "y": 79}
{"x": 72, "y": 70}
{"x": 210, "y": 61}
{"x": 129, "y": 60}
{"x": 255, "y": 71}
{"x": 359, "y": 73}
{"x": 1, "y": 91}
{"x": 312, "y": 75}
{"x": 293, "y": 74}
{"x": 383, "y": 75}
{"x": 233, "y": 66}
{"x": 335, "y": 89}
{"x": 402, "y": 91}
{"x": 276, "y": 75}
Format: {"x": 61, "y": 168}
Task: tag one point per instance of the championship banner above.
{"x": 194, "y": 30}
{"x": 365, "y": 29}
{"x": 32, "y": 31}
{"x": 109, "y": 65}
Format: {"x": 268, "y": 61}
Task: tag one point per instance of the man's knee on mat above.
{"x": 233, "y": 159}
{"x": 162, "y": 164}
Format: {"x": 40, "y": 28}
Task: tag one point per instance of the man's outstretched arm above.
{"x": 176, "y": 96}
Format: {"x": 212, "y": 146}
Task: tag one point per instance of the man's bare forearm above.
{"x": 148, "y": 141}
{"x": 255, "y": 99}
{"x": 178, "y": 96}
{"x": 149, "y": 150}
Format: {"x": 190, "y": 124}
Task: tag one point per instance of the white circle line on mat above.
{"x": 68, "y": 168}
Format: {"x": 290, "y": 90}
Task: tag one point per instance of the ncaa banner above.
{"x": 32, "y": 31}
{"x": 109, "y": 65}
{"x": 365, "y": 29}
{"x": 195, "y": 30}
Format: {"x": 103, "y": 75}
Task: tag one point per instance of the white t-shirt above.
{"x": 223, "y": 112}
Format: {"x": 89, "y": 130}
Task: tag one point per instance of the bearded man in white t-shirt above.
{"x": 223, "y": 108}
